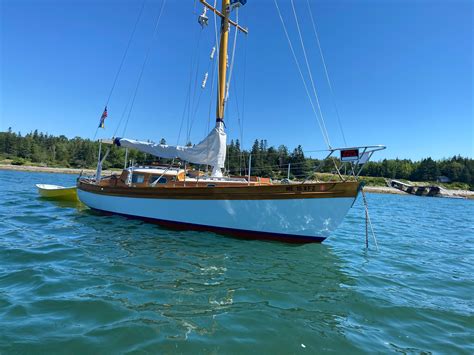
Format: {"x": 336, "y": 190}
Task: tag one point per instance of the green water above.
{"x": 72, "y": 281}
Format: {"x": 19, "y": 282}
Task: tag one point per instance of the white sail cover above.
{"x": 211, "y": 151}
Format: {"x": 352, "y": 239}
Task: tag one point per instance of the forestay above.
{"x": 211, "y": 151}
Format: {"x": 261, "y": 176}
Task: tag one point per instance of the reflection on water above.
{"x": 63, "y": 204}
{"x": 198, "y": 285}
{"x": 72, "y": 279}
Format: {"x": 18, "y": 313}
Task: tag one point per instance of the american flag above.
{"x": 103, "y": 117}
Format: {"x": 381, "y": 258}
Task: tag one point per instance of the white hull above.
{"x": 298, "y": 220}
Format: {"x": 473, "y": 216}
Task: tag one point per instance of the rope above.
{"x": 368, "y": 222}
{"x": 238, "y": 111}
{"x": 95, "y": 134}
{"x": 213, "y": 76}
{"x": 184, "y": 113}
{"x": 326, "y": 72}
{"x": 271, "y": 166}
{"x": 300, "y": 72}
{"x": 126, "y": 51}
{"x": 212, "y": 62}
{"x": 233, "y": 55}
{"x": 123, "y": 58}
{"x": 122, "y": 116}
{"x": 193, "y": 119}
{"x": 239, "y": 114}
{"x": 309, "y": 72}
{"x": 188, "y": 94}
{"x": 241, "y": 125}
{"x": 191, "y": 103}
{"x": 366, "y": 228}
{"x": 229, "y": 80}
{"x": 231, "y": 67}
{"x": 155, "y": 31}
{"x": 213, "y": 69}
{"x": 216, "y": 34}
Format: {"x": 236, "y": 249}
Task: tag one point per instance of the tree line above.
{"x": 274, "y": 162}
{"x": 268, "y": 161}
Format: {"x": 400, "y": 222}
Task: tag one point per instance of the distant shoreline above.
{"x": 46, "y": 169}
{"x": 390, "y": 190}
{"x": 74, "y": 171}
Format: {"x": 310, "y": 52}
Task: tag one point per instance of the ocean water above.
{"x": 72, "y": 281}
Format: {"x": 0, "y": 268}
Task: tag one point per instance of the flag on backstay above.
{"x": 103, "y": 117}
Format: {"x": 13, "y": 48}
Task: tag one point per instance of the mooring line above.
{"x": 368, "y": 223}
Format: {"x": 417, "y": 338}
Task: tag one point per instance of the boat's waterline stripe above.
{"x": 331, "y": 190}
{"x": 238, "y": 233}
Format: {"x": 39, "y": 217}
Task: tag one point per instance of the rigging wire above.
{"x": 231, "y": 69}
{"x": 326, "y": 72}
{"x": 184, "y": 113}
{"x": 216, "y": 35}
{"x": 244, "y": 81}
{"x": 193, "y": 119}
{"x": 241, "y": 124}
{"x": 231, "y": 66}
{"x": 213, "y": 75}
{"x": 233, "y": 54}
{"x": 217, "y": 44}
{"x": 240, "y": 114}
{"x": 309, "y": 72}
{"x": 155, "y": 31}
{"x": 122, "y": 116}
{"x": 126, "y": 51}
{"x": 192, "y": 103}
{"x": 188, "y": 94}
{"x": 236, "y": 100}
{"x": 123, "y": 58}
{"x": 226, "y": 95}
{"x": 196, "y": 107}
{"x": 300, "y": 72}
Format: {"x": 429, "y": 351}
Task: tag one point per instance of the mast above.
{"x": 224, "y": 41}
{"x": 224, "y": 14}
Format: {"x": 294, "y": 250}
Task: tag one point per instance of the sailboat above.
{"x": 247, "y": 206}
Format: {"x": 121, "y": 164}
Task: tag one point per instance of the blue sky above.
{"x": 402, "y": 72}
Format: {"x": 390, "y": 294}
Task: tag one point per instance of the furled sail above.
{"x": 211, "y": 151}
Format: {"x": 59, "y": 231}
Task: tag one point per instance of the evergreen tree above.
{"x": 297, "y": 160}
{"x": 41, "y": 148}
{"x": 427, "y": 170}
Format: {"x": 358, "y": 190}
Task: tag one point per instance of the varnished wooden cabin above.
{"x": 162, "y": 176}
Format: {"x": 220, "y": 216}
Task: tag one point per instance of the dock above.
{"x": 430, "y": 190}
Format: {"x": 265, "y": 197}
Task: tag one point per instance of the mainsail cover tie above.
{"x": 211, "y": 151}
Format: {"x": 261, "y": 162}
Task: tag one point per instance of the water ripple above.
{"x": 74, "y": 281}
